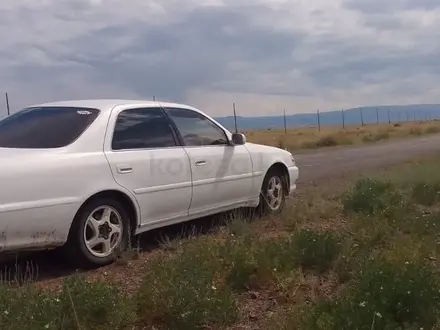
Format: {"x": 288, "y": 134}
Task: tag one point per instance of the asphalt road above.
{"x": 344, "y": 160}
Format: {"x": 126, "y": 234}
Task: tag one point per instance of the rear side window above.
{"x": 142, "y": 129}
{"x": 45, "y": 127}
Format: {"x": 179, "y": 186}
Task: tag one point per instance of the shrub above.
{"x": 316, "y": 250}
{"x": 281, "y": 143}
{"x": 27, "y": 308}
{"x": 308, "y": 145}
{"x": 322, "y": 142}
{"x": 277, "y": 255}
{"x": 376, "y": 137}
{"x": 367, "y": 138}
{"x": 415, "y": 131}
{"x": 184, "y": 292}
{"x": 426, "y": 194}
{"x": 238, "y": 224}
{"x": 94, "y": 306}
{"x": 238, "y": 257}
{"x": 80, "y": 305}
{"x": 253, "y": 265}
{"x": 432, "y": 130}
{"x": 326, "y": 141}
{"x": 386, "y": 296}
{"x": 382, "y": 136}
{"x": 284, "y": 319}
{"x": 242, "y": 274}
{"x": 426, "y": 224}
{"x": 369, "y": 197}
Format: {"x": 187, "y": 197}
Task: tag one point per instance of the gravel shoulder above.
{"x": 339, "y": 162}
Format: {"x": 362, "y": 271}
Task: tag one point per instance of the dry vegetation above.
{"x": 311, "y": 138}
{"x": 359, "y": 254}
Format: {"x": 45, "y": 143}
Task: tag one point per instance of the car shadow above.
{"x": 30, "y": 267}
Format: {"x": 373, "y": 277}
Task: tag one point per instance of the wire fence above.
{"x": 353, "y": 117}
{"x": 344, "y": 118}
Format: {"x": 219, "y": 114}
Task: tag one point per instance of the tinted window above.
{"x": 196, "y": 129}
{"x": 142, "y": 128}
{"x": 45, "y": 127}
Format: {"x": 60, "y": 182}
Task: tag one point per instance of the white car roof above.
{"x": 108, "y": 104}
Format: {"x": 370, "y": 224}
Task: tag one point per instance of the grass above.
{"x": 361, "y": 254}
{"x": 79, "y": 305}
{"x": 311, "y": 138}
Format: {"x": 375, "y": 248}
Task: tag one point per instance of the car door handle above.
{"x": 124, "y": 169}
{"x": 200, "y": 163}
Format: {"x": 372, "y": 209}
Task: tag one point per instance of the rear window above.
{"x": 45, "y": 127}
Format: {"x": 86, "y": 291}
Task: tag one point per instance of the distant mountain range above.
{"x": 354, "y": 116}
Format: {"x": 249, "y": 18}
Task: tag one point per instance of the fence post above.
{"x": 7, "y": 104}
{"x": 389, "y": 117}
{"x": 343, "y": 118}
{"x": 235, "y": 118}
{"x": 319, "y": 121}
{"x": 362, "y": 118}
{"x": 285, "y": 123}
{"x": 377, "y": 116}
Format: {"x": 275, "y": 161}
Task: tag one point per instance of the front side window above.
{"x": 142, "y": 129}
{"x": 196, "y": 129}
{"x": 45, "y": 127}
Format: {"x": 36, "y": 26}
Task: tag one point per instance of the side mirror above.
{"x": 238, "y": 139}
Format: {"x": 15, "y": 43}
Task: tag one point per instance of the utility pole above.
{"x": 7, "y": 104}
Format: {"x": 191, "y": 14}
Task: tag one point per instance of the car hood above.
{"x": 268, "y": 155}
{"x": 253, "y": 147}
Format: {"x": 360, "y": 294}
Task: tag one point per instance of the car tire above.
{"x": 273, "y": 193}
{"x": 98, "y": 234}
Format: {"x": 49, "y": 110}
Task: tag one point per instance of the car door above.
{"x": 146, "y": 158}
{"x": 221, "y": 172}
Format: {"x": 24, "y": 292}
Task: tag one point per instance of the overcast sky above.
{"x": 264, "y": 55}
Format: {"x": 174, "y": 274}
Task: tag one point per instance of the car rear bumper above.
{"x": 293, "y": 177}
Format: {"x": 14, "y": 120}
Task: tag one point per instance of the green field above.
{"x": 363, "y": 253}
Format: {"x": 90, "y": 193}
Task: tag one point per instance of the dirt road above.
{"x": 344, "y": 160}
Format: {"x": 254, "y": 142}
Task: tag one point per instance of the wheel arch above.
{"x": 281, "y": 168}
{"x": 126, "y": 201}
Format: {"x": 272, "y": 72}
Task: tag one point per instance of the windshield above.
{"x": 45, "y": 127}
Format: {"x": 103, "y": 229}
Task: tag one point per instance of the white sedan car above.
{"x": 87, "y": 174}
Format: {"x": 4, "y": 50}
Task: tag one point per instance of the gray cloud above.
{"x": 297, "y": 55}
{"x": 382, "y": 6}
{"x": 200, "y": 50}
